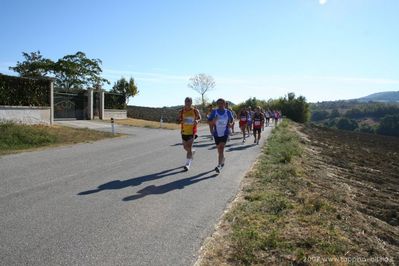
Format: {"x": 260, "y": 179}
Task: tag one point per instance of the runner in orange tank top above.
{"x": 189, "y": 117}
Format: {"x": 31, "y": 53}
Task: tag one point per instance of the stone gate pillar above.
{"x": 51, "y": 102}
{"x": 101, "y": 104}
{"x": 90, "y": 100}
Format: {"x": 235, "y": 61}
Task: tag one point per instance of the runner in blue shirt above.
{"x": 220, "y": 121}
{"x": 249, "y": 124}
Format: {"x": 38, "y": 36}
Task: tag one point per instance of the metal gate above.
{"x": 70, "y": 105}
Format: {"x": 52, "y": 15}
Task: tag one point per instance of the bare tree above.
{"x": 202, "y": 83}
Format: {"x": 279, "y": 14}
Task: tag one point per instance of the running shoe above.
{"x": 218, "y": 169}
{"x": 188, "y": 164}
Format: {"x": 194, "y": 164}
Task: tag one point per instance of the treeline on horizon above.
{"x": 292, "y": 107}
{"x": 368, "y": 117}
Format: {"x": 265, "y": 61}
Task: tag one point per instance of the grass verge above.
{"x": 145, "y": 123}
{"x": 15, "y": 137}
{"x": 286, "y": 214}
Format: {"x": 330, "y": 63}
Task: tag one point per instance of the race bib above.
{"x": 257, "y": 123}
{"x": 221, "y": 123}
{"x": 243, "y": 119}
{"x": 189, "y": 120}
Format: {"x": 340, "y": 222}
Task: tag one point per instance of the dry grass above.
{"x": 145, "y": 123}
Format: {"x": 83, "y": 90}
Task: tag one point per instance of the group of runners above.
{"x": 221, "y": 122}
{"x": 256, "y": 121}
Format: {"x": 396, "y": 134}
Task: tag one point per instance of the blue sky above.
{"x": 322, "y": 49}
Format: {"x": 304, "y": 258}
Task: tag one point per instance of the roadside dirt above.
{"x": 345, "y": 206}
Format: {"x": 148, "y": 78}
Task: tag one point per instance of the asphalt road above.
{"x": 123, "y": 201}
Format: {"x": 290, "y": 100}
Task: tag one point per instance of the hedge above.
{"x": 169, "y": 115}
{"x": 114, "y": 101}
{"x": 17, "y": 91}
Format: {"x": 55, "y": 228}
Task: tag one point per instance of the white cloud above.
{"x": 322, "y": 2}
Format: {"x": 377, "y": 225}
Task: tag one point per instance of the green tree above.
{"x": 251, "y": 102}
{"x": 335, "y": 113}
{"x": 330, "y": 123}
{"x": 295, "y": 108}
{"x": 319, "y": 115}
{"x": 254, "y": 102}
{"x": 347, "y": 124}
{"x": 389, "y": 125}
{"x": 354, "y": 113}
{"x": 202, "y": 83}
{"x": 77, "y": 71}
{"x": 70, "y": 72}
{"x": 366, "y": 129}
{"x": 127, "y": 88}
{"x": 34, "y": 66}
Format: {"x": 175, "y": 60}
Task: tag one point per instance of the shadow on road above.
{"x": 178, "y": 184}
{"x": 198, "y": 144}
{"x": 177, "y": 144}
{"x": 204, "y": 145}
{"x": 117, "y": 184}
{"x": 240, "y": 148}
{"x": 236, "y": 138}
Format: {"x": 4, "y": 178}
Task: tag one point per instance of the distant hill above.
{"x": 387, "y": 96}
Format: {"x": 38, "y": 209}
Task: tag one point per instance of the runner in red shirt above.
{"x": 243, "y": 116}
{"x": 258, "y": 119}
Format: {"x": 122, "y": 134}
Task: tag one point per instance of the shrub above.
{"x": 114, "y": 101}
{"x": 295, "y": 108}
{"x": 169, "y": 115}
{"x": 292, "y": 107}
{"x": 366, "y": 129}
{"x": 389, "y": 125}
{"x": 354, "y": 113}
{"x": 335, "y": 113}
{"x": 319, "y": 115}
{"x": 347, "y": 124}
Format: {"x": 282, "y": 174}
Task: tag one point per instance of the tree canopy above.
{"x": 127, "y": 88}
{"x": 389, "y": 125}
{"x": 347, "y": 124}
{"x": 33, "y": 66}
{"x": 202, "y": 83}
{"x": 70, "y": 72}
{"x": 295, "y": 108}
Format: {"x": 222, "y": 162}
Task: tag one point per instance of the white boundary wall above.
{"x": 114, "y": 113}
{"x": 30, "y": 115}
{"x": 26, "y": 114}
{"x": 106, "y": 114}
